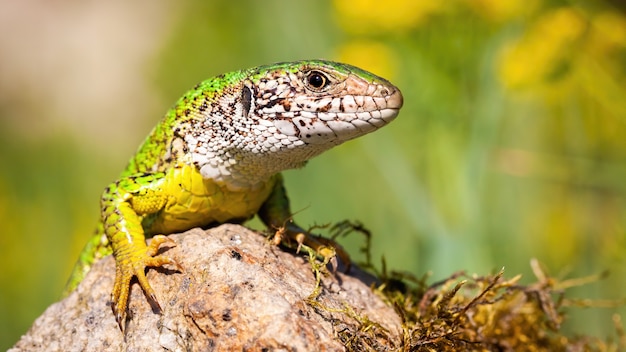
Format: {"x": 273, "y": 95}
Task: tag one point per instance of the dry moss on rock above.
{"x": 478, "y": 313}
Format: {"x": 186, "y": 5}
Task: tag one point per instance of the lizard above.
{"x": 217, "y": 156}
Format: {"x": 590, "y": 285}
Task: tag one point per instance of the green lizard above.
{"x": 217, "y": 157}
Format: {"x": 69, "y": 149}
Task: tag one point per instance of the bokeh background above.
{"x": 511, "y": 144}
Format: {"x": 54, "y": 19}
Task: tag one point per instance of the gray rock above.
{"x": 237, "y": 293}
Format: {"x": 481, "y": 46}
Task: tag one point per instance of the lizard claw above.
{"x": 135, "y": 264}
{"x": 325, "y": 248}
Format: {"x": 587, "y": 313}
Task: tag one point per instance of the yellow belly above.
{"x": 194, "y": 201}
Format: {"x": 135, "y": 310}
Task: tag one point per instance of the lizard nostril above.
{"x": 395, "y": 99}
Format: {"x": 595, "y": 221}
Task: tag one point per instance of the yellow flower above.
{"x": 371, "y": 16}
{"x": 608, "y": 32}
{"x": 545, "y": 49}
{"x": 502, "y": 10}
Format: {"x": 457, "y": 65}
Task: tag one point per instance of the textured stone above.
{"x": 238, "y": 292}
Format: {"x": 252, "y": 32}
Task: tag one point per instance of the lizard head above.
{"x": 319, "y": 103}
{"x": 276, "y": 117}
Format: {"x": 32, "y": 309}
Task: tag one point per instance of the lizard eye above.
{"x": 316, "y": 80}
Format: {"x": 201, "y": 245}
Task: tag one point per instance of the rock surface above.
{"x": 237, "y": 293}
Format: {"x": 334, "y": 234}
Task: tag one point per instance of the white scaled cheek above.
{"x": 286, "y": 127}
{"x": 344, "y": 130}
{"x": 314, "y": 131}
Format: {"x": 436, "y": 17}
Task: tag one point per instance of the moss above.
{"x": 467, "y": 312}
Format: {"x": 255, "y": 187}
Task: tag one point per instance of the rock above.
{"x": 237, "y": 293}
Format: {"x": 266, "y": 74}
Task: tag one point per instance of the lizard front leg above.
{"x": 276, "y": 214}
{"x": 124, "y": 205}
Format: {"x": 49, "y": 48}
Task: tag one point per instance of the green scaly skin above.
{"x": 217, "y": 157}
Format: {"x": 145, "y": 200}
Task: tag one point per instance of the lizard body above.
{"x": 217, "y": 157}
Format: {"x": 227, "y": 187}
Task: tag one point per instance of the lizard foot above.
{"x": 325, "y": 248}
{"x": 135, "y": 264}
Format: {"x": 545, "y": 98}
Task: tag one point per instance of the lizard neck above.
{"x": 245, "y": 167}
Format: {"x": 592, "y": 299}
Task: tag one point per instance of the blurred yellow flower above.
{"x": 500, "y": 11}
{"x": 546, "y": 47}
{"x": 370, "y": 55}
{"x": 370, "y": 16}
{"x": 609, "y": 29}
{"x": 607, "y": 42}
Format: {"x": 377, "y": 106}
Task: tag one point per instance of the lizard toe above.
{"x": 128, "y": 267}
{"x": 119, "y": 296}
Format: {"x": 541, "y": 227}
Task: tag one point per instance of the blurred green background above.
{"x": 511, "y": 144}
